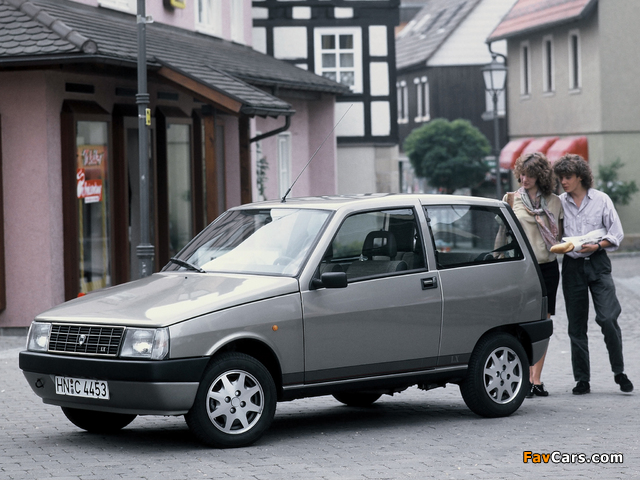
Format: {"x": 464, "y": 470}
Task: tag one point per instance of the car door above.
{"x": 484, "y": 275}
{"x": 387, "y": 320}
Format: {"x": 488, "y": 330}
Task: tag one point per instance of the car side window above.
{"x": 466, "y": 235}
{"x": 376, "y": 243}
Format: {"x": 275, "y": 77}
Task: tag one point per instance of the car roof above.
{"x": 373, "y": 200}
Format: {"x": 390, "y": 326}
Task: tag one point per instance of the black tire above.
{"x": 357, "y": 399}
{"x": 97, "y": 422}
{"x": 235, "y": 403}
{"x": 497, "y": 377}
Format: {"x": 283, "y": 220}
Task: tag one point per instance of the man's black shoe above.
{"x": 581, "y": 388}
{"x": 625, "y": 384}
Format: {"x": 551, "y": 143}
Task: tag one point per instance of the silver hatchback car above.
{"x": 353, "y": 296}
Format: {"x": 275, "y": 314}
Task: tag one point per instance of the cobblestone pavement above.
{"x": 414, "y": 434}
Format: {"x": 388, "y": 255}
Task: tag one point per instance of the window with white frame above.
{"x": 208, "y": 17}
{"x": 338, "y": 55}
{"x": 422, "y": 99}
{"x": 284, "y": 162}
{"x": 130, "y": 6}
{"x": 403, "y": 102}
{"x": 548, "y": 68}
{"x": 525, "y": 69}
{"x": 237, "y": 22}
{"x": 575, "y": 63}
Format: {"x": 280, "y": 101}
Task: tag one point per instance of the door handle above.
{"x": 431, "y": 282}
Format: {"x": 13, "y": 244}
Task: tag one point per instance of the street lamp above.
{"x": 495, "y": 75}
{"x": 145, "y": 250}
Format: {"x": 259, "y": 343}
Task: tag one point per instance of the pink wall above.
{"x": 324, "y": 168}
{"x": 32, "y": 186}
{"x": 311, "y": 123}
{"x": 186, "y": 17}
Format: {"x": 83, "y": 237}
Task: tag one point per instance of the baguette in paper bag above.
{"x": 576, "y": 243}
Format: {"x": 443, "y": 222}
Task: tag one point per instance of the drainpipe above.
{"x": 287, "y": 124}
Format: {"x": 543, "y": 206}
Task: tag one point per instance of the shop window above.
{"x": 92, "y": 176}
{"x": 338, "y": 56}
{"x": 86, "y": 183}
{"x": 176, "y": 216}
{"x": 179, "y": 186}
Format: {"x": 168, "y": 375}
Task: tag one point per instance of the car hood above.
{"x": 163, "y": 299}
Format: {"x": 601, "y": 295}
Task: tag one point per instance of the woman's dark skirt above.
{"x": 551, "y": 276}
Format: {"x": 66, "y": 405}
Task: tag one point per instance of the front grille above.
{"x": 85, "y": 339}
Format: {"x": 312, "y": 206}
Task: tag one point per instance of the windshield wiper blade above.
{"x": 187, "y": 265}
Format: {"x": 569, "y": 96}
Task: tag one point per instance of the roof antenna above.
{"x": 284, "y": 197}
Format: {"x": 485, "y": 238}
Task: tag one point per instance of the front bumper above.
{"x": 165, "y": 387}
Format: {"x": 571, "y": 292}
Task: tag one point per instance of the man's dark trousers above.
{"x": 579, "y": 276}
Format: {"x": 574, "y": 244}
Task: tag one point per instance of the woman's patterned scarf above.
{"x": 549, "y": 234}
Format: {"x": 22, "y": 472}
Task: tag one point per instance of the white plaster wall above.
{"x": 290, "y": 42}
{"x": 351, "y": 118}
{"x": 356, "y": 169}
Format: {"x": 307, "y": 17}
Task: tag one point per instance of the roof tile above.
{"x": 431, "y": 26}
{"x": 528, "y": 15}
{"x": 76, "y": 27}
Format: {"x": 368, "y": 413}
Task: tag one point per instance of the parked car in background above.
{"x": 351, "y": 296}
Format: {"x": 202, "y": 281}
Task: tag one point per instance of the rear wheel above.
{"x": 235, "y": 403}
{"x": 357, "y": 399}
{"x": 497, "y": 376}
{"x": 97, "y": 422}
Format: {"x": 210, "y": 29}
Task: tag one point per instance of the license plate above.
{"x": 82, "y": 387}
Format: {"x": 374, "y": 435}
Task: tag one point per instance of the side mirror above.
{"x": 330, "y": 280}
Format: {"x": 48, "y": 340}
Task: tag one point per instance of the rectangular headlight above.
{"x": 38, "y": 338}
{"x": 146, "y": 343}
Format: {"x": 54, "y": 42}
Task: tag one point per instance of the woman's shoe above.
{"x": 538, "y": 391}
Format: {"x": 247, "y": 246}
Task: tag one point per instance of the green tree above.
{"x": 448, "y": 154}
{"x": 620, "y": 192}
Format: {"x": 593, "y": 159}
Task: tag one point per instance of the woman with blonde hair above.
{"x": 540, "y": 213}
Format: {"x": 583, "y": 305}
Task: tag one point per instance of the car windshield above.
{"x": 272, "y": 241}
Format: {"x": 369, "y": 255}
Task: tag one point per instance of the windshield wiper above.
{"x": 187, "y": 265}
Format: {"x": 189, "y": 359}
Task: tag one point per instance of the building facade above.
{"x": 440, "y": 56}
{"x": 69, "y": 137}
{"x": 350, "y": 42}
{"x": 573, "y": 79}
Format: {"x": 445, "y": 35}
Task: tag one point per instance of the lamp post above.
{"x": 495, "y": 75}
{"x": 145, "y": 250}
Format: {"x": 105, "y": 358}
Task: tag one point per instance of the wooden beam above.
{"x": 201, "y": 90}
{"x": 246, "y": 190}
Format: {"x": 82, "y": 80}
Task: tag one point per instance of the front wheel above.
{"x": 97, "y": 422}
{"x": 235, "y": 403}
{"x": 497, "y": 376}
